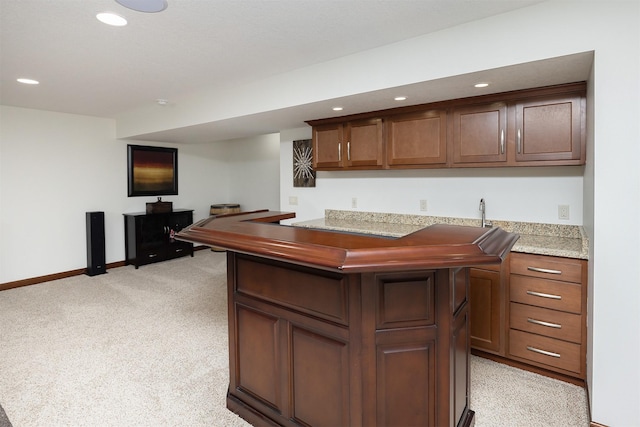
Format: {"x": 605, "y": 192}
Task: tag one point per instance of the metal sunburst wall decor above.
{"x": 303, "y": 173}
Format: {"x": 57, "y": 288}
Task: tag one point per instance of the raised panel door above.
{"x": 406, "y": 384}
{"x": 364, "y": 143}
{"x": 549, "y": 130}
{"x": 256, "y": 356}
{"x": 319, "y": 379}
{"x": 327, "y": 146}
{"x": 417, "y": 138}
{"x": 487, "y": 307}
{"x": 479, "y": 133}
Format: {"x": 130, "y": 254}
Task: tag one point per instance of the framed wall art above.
{"x": 303, "y": 173}
{"x": 152, "y": 171}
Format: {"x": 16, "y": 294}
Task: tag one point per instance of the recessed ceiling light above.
{"x": 111, "y": 19}
{"x": 400, "y": 98}
{"x": 481, "y": 84}
{"x": 337, "y": 108}
{"x": 148, "y": 6}
{"x": 161, "y": 101}
{"x": 28, "y": 81}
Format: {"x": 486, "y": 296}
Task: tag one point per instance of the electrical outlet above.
{"x": 293, "y": 200}
{"x": 563, "y": 211}
{"x": 423, "y": 205}
{"x": 354, "y": 202}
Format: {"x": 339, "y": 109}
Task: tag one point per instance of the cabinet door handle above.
{"x": 544, "y": 270}
{"x": 519, "y": 141}
{"x": 545, "y": 352}
{"x": 543, "y": 323}
{"x": 502, "y": 141}
{"x": 540, "y": 294}
{"x": 349, "y": 150}
{"x": 339, "y": 151}
{"x": 179, "y": 250}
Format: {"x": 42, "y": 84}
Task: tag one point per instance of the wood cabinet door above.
{"x": 479, "y": 133}
{"x": 549, "y": 130}
{"x": 327, "y": 146}
{"x": 487, "y": 307}
{"x": 417, "y": 138}
{"x": 364, "y": 143}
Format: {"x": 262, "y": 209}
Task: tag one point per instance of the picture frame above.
{"x": 303, "y": 173}
{"x": 152, "y": 171}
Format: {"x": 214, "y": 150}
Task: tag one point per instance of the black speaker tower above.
{"x": 96, "y": 263}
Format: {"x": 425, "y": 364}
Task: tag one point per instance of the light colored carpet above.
{"x": 148, "y": 347}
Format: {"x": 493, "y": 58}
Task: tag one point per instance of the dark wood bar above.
{"x": 342, "y": 329}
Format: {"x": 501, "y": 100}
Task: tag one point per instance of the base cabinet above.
{"x": 149, "y": 238}
{"x": 310, "y": 347}
{"x": 532, "y": 310}
{"x": 547, "y": 313}
{"x": 487, "y": 302}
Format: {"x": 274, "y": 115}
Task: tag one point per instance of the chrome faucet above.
{"x": 485, "y": 223}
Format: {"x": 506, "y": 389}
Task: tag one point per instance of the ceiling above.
{"x": 86, "y": 67}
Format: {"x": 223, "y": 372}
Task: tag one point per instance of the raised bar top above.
{"x": 440, "y": 245}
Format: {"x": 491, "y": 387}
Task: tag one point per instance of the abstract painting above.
{"x": 152, "y": 171}
{"x": 303, "y": 173}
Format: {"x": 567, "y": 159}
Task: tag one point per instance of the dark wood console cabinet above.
{"x": 149, "y": 238}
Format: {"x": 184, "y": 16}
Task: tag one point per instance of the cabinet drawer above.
{"x": 565, "y": 269}
{"x": 542, "y": 321}
{"x": 546, "y": 293}
{"x": 151, "y": 255}
{"x": 548, "y": 351}
{"x": 177, "y": 249}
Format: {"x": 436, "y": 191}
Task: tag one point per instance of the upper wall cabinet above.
{"x": 479, "y": 133}
{"x": 417, "y": 139}
{"x": 550, "y": 130}
{"x": 327, "y": 146}
{"x": 532, "y": 127}
{"x": 356, "y": 144}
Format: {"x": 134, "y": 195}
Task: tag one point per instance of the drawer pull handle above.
{"x": 545, "y": 352}
{"x": 544, "y": 270}
{"x": 542, "y": 295}
{"x": 153, "y": 255}
{"x": 543, "y": 323}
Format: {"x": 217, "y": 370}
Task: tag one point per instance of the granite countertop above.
{"x": 568, "y": 241}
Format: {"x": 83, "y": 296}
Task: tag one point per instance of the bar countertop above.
{"x": 259, "y": 233}
{"x": 568, "y": 241}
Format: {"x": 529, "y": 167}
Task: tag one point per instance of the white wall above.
{"x": 608, "y": 202}
{"x": 55, "y": 167}
{"x": 253, "y": 165}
